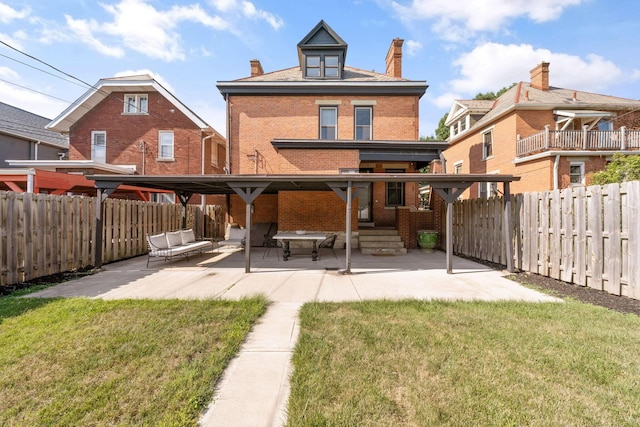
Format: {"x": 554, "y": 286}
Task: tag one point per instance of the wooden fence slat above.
{"x": 580, "y": 232}
{"x": 633, "y": 202}
{"x": 555, "y": 238}
{"x": 544, "y": 234}
{"x": 596, "y": 252}
{"x": 612, "y": 227}
{"x": 3, "y": 233}
{"x": 12, "y": 238}
{"x": 567, "y": 235}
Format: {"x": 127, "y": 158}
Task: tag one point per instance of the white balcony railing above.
{"x": 586, "y": 140}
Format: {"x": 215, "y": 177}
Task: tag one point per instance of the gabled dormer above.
{"x": 322, "y": 53}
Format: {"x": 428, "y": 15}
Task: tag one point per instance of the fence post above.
{"x": 584, "y": 137}
{"x": 508, "y": 227}
{"x": 623, "y": 138}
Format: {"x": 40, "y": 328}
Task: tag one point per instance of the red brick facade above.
{"x": 132, "y": 139}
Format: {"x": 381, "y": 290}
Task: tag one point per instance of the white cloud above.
{"x": 248, "y": 10}
{"x": 84, "y": 30}
{"x": 8, "y": 14}
{"x": 457, "y": 20}
{"x": 413, "y": 47}
{"x": 28, "y": 100}
{"x": 157, "y": 77}
{"x": 445, "y": 100}
{"x": 12, "y": 40}
{"x": 492, "y": 66}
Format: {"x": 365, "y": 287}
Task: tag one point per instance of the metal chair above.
{"x": 270, "y": 243}
{"x": 328, "y": 243}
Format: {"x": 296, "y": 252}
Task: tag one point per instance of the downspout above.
{"x": 35, "y": 155}
{"x": 556, "y": 167}
{"x": 444, "y": 161}
{"x": 228, "y": 168}
{"x": 203, "y": 198}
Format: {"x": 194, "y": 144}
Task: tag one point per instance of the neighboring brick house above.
{"x": 324, "y": 117}
{"x": 135, "y": 122}
{"x": 550, "y": 137}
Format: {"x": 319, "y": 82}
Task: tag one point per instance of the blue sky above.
{"x": 459, "y": 48}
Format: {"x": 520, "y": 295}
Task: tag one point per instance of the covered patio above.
{"x": 346, "y": 186}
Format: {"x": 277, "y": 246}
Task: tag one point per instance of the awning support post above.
{"x": 102, "y": 194}
{"x": 450, "y": 195}
{"x": 248, "y": 192}
{"x": 347, "y": 196}
{"x": 508, "y": 229}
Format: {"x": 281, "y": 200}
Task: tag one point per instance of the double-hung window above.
{"x": 363, "y": 119}
{"x": 487, "y": 144}
{"x": 313, "y": 65}
{"x": 576, "y": 173}
{"x": 136, "y": 104}
{"x": 165, "y": 144}
{"x": 488, "y": 189}
{"x": 394, "y": 190}
{"x": 99, "y": 146}
{"x": 328, "y": 122}
{"x": 322, "y": 66}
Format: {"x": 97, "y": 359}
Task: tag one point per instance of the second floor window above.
{"x": 99, "y": 146}
{"x": 487, "y": 145}
{"x": 457, "y": 168}
{"x": 328, "y": 122}
{"x": 165, "y": 144}
{"x": 363, "y": 117}
{"x": 136, "y": 104}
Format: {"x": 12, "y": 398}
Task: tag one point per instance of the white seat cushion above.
{"x": 236, "y": 234}
{"x": 188, "y": 236}
{"x": 174, "y": 238}
{"x": 159, "y": 241}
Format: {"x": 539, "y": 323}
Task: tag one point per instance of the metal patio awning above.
{"x": 347, "y": 186}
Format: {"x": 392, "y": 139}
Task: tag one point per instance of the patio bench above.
{"x": 175, "y": 243}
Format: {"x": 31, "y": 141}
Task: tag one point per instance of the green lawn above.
{"x": 465, "y": 364}
{"x": 132, "y": 362}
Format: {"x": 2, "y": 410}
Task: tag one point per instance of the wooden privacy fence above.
{"x": 41, "y": 235}
{"x": 587, "y": 236}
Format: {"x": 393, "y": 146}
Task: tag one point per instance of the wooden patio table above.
{"x": 287, "y": 237}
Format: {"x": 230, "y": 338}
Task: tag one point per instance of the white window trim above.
{"x": 137, "y": 97}
{"x": 173, "y": 145}
{"x": 456, "y": 164}
{"x": 582, "y": 177}
{"x": 93, "y": 135}
{"x": 327, "y": 107}
{"x": 482, "y": 134}
{"x": 355, "y": 125}
{"x": 488, "y": 185}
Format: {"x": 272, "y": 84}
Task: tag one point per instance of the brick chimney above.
{"x": 394, "y": 58}
{"x": 256, "y": 68}
{"x": 540, "y": 76}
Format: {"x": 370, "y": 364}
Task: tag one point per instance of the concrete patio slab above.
{"x": 254, "y": 388}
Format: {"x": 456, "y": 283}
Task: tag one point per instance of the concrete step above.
{"x": 383, "y": 238}
{"x": 383, "y": 251}
{"x": 375, "y": 244}
{"x": 377, "y": 232}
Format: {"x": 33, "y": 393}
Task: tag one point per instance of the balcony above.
{"x": 579, "y": 140}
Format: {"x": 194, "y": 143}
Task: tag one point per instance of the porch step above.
{"x": 381, "y": 242}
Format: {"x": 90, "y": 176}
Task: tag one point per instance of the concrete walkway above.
{"x": 254, "y": 388}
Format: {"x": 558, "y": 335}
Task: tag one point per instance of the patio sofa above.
{"x": 175, "y": 243}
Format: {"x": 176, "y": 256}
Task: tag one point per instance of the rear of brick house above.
{"x": 134, "y": 121}
{"x": 323, "y": 117}
{"x": 548, "y": 136}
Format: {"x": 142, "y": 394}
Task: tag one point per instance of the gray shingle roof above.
{"x": 294, "y": 74}
{"x": 23, "y": 124}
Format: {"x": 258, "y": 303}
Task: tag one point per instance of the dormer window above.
{"x": 322, "y": 54}
{"x": 322, "y": 66}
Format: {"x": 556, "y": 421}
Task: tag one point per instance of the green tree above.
{"x": 621, "y": 168}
